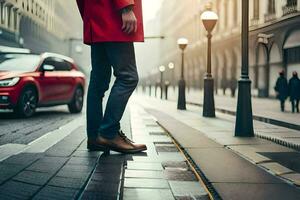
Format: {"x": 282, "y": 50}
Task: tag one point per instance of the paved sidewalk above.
{"x": 270, "y": 170}
{"x": 267, "y": 110}
{"x": 66, "y": 170}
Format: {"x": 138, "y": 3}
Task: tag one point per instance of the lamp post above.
{"x": 172, "y": 68}
{"x": 209, "y": 19}
{"x": 181, "y": 104}
{"x": 244, "y": 117}
{"x": 162, "y": 69}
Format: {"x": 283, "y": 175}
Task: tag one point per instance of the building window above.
{"x": 256, "y": 9}
{"x": 292, "y": 55}
{"x": 2, "y": 12}
{"x": 291, "y": 3}
{"x": 290, "y": 7}
{"x": 235, "y": 12}
{"x": 225, "y": 14}
{"x": 271, "y": 7}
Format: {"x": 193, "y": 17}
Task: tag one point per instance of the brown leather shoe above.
{"x": 120, "y": 144}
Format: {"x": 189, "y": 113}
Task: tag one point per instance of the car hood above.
{"x": 7, "y": 75}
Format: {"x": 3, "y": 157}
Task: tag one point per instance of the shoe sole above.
{"x": 106, "y": 150}
{"x": 132, "y": 151}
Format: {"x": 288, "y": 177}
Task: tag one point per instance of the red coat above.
{"x": 103, "y": 21}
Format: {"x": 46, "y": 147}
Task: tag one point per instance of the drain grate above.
{"x": 152, "y": 125}
{"x": 157, "y": 133}
{"x": 194, "y": 197}
{"x": 179, "y": 175}
{"x": 166, "y": 149}
{"x": 176, "y": 165}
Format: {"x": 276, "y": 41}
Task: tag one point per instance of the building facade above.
{"x": 44, "y": 26}
{"x": 274, "y": 41}
{"x": 34, "y": 24}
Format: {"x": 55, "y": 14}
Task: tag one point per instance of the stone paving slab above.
{"x": 182, "y": 189}
{"x": 248, "y": 191}
{"x": 32, "y": 177}
{"x": 223, "y": 167}
{"x": 147, "y": 194}
{"x": 144, "y": 166}
{"x": 47, "y": 175}
{"x": 7, "y": 171}
{"x": 293, "y": 177}
{"x": 146, "y": 183}
{"x": 56, "y": 193}
{"x": 143, "y": 174}
{"x": 276, "y": 168}
{"x": 17, "y": 190}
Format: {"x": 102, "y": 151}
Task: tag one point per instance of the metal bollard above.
{"x": 150, "y": 88}
{"x": 167, "y": 84}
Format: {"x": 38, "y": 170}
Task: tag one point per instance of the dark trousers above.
{"x": 282, "y": 102}
{"x": 295, "y": 105}
{"x": 120, "y": 57}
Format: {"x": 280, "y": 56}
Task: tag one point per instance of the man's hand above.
{"x": 129, "y": 21}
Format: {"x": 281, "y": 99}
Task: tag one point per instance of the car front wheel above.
{"x": 27, "y": 103}
{"x": 77, "y": 102}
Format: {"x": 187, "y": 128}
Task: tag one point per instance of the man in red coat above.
{"x": 111, "y": 27}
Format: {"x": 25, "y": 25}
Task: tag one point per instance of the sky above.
{"x": 150, "y": 8}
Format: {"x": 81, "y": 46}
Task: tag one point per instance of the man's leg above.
{"x": 293, "y": 105}
{"x": 282, "y": 105}
{"x": 99, "y": 83}
{"x": 122, "y": 57}
{"x": 297, "y": 106}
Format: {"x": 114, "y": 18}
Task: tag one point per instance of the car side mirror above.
{"x": 48, "y": 68}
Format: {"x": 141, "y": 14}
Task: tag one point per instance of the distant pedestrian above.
{"x": 294, "y": 91}
{"x": 281, "y": 89}
{"x": 233, "y": 86}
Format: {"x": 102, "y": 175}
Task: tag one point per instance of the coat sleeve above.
{"x": 80, "y": 4}
{"x": 120, "y": 4}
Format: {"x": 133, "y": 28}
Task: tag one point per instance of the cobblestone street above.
{"x": 188, "y": 157}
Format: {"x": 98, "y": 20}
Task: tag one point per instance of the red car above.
{"x": 28, "y": 81}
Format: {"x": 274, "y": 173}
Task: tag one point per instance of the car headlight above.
{"x": 9, "y": 82}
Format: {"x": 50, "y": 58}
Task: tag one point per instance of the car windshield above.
{"x": 18, "y": 62}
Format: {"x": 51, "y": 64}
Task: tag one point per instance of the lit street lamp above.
{"x": 209, "y": 19}
{"x": 162, "y": 69}
{"x": 244, "y": 117}
{"x": 181, "y": 105}
{"x": 172, "y": 68}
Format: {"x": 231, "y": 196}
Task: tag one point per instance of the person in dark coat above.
{"x": 281, "y": 89}
{"x": 294, "y": 91}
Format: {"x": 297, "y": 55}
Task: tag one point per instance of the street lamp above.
{"x": 161, "y": 69}
{"x": 172, "y": 67}
{"x": 244, "y": 117}
{"x": 209, "y": 19}
{"x": 181, "y": 105}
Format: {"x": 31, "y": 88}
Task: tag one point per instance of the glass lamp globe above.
{"x": 182, "y": 43}
{"x": 209, "y": 19}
